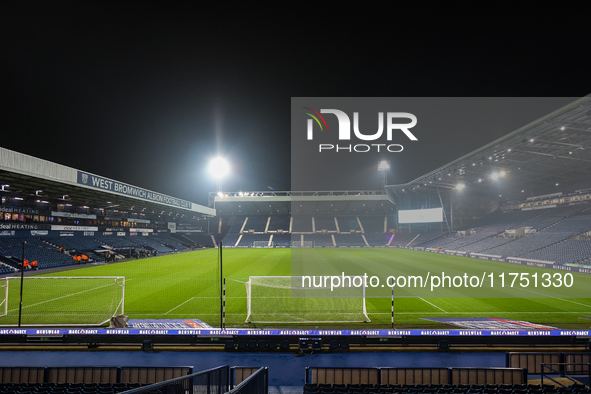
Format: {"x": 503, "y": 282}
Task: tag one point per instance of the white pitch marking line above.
{"x": 59, "y": 298}
{"x": 556, "y": 298}
{"x": 178, "y": 306}
{"x": 431, "y": 304}
{"x": 466, "y": 313}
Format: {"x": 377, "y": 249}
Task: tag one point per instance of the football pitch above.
{"x": 187, "y": 286}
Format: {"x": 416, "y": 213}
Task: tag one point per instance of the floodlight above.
{"x": 460, "y": 186}
{"x": 494, "y": 176}
{"x": 384, "y": 165}
{"x": 219, "y": 168}
{"x": 502, "y": 174}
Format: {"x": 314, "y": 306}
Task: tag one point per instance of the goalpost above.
{"x": 263, "y": 244}
{"x": 302, "y": 244}
{"x": 71, "y": 301}
{"x": 4, "y": 295}
{"x": 283, "y": 299}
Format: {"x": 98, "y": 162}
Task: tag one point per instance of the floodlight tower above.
{"x": 384, "y": 167}
{"x": 218, "y": 169}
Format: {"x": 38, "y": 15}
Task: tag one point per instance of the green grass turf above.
{"x": 187, "y": 286}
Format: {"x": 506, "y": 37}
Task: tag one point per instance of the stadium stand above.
{"x": 322, "y": 223}
{"x": 247, "y": 239}
{"x": 6, "y": 269}
{"x": 378, "y": 239}
{"x": 548, "y": 235}
{"x": 197, "y": 240}
{"x": 74, "y": 243}
{"x": 320, "y": 240}
{"x": 117, "y": 242}
{"x": 279, "y": 222}
{"x": 148, "y": 243}
{"x": 170, "y": 242}
{"x": 257, "y": 224}
{"x": 348, "y": 223}
{"x": 231, "y": 239}
{"x": 424, "y": 237}
{"x": 36, "y": 249}
{"x": 282, "y": 240}
{"x": 236, "y": 224}
{"x": 302, "y": 224}
{"x": 349, "y": 240}
{"x": 372, "y": 224}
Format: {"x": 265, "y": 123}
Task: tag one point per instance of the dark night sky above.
{"x": 137, "y": 93}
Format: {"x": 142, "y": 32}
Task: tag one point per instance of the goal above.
{"x": 285, "y": 299}
{"x": 51, "y": 301}
{"x": 302, "y": 244}
{"x": 263, "y": 244}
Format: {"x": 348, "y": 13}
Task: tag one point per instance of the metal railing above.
{"x": 210, "y": 381}
{"x": 257, "y": 383}
{"x": 564, "y": 372}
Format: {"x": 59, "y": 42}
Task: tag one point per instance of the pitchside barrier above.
{"x": 399, "y": 376}
{"x": 414, "y": 375}
{"x": 211, "y": 381}
{"x": 141, "y": 375}
{"x": 488, "y": 375}
{"x": 533, "y": 361}
{"x": 239, "y": 374}
{"x": 256, "y": 383}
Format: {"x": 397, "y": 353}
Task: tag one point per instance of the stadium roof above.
{"x": 309, "y": 202}
{"x": 40, "y": 180}
{"x": 551, "y": 154}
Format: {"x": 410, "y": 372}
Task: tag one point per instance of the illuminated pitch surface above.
{"x": 186, "y": 286}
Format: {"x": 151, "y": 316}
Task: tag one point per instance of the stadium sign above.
{"x": 22, "y": 226}
{"x": 110, "y": 185}
{"x": 216, "y": 332}
{"x": 26, "y": 211}
{"x": 132, "y": 220}
{"x": 72, "y": 215}
{"x": 73, "y": 228}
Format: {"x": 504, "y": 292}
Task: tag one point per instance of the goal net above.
{"x": 263, "y": 244}
{"x": 72, "y": 301}
{"x": 302, "y": 244}
{"x": 286, "y": 299}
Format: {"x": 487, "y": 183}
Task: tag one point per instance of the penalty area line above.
{"x": 179, "y": 305}
{"x": 422, "y": 299}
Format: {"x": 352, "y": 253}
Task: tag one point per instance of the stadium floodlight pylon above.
{"x": 282, "y": 299}
{"x": 53, "y": 301}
